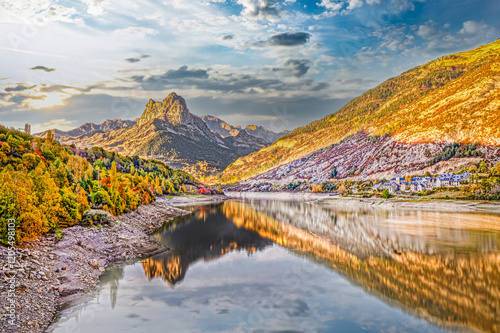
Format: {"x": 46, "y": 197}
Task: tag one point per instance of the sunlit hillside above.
{"x": 455, "y": 98}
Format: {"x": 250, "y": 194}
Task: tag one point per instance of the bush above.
{"x": 385, "y": 194}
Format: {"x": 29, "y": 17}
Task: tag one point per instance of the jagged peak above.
{"x": 173, "y": 107}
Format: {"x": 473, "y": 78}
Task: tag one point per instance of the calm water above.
{"x": 273, "y": 266}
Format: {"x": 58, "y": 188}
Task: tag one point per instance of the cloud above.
{"x": 94, "y": 7}
{"x": 184, "y": 72}
{"x": 429, "y": 31}
{"x": 396, "y": 39}
{"x": 260, "y": 9}
{"x": 19, "y": 99}
{"x": 134, "y": 33}
{"x": 345, "y": 7}
{"x": 43, "y": 68}
{"x": 353, "y": 4}
{"x": 55, "y": 88}
{"x": 132, "y": 60}
{"x": 19, "y": 87}
{"x": 40, "y": 12}
{"x": 331, "y": 5}
{"x": 60, "y": 124}
{"x": 472, "y": 34}
{"x": 226, "y": 37}
{"x": 137, "y": 59}
{"x": 472, "y": 29}
{"x": 230, "y": 82}
{"x": 293, "y": 67}
{"x": 285, "y": 39}
{"x": 289, "y": 39}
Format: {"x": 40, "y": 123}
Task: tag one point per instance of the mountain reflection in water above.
{"x": 205, "y": 235}
{"x": 445, "y": 265}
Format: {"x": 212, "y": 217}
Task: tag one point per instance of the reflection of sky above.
{"x": 269, "y": 291}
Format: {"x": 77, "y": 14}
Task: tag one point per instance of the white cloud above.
{"x": 38, "y": 12}
{"x": 473, "y": 28}
{"x": 353, "y": 4}
{"x": 471, "y": 34}
{"x": 429, "y": 31}
{"x": 219, "y": 20}
{"x": 94, "y": 7}
{"x": 134, "y": 33}
{"x": 61, "y": 124}
{"x": 264, "y": 10}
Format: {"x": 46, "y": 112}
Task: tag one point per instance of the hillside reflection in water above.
{"x": 443, "y": 264}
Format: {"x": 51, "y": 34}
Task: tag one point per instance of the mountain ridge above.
{"x": 169, "y": 132}
{"x": 106, "y": 126}
{"x": 225, "y": 130}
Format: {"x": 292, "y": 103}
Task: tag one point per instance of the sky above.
{"x": 279, "y": 64}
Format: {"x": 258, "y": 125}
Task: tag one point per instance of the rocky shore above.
{"x": 52, "y": 273}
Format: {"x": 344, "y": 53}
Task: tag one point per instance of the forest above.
{"x": 45, "y": 186}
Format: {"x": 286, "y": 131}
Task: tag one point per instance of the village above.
{"x": 419, "y": 184}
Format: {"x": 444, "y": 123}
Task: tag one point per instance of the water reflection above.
{"x": 205, "y": 235}
{"x": 441, "y": 264}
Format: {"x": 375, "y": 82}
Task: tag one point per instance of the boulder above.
{"x": 95, "y": 217}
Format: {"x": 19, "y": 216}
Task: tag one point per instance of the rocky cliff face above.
{"x": 220, "y": 127}
{"x": 173, "y": 108}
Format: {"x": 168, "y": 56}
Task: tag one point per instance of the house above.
{"x": 445, "y": 180}
{"x": 465, "y": 176}
{"x": 397, "y": 180}
{"x": 392, "y": 187}
{"x": 432, "y": 183}
{"x": 404, "y": 186}
{"x": 455, "y": 180}
{"x": 417, "y": 186}
{"x": 460, "y": 179}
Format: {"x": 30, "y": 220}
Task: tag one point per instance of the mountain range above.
{"x": 169, "y": 132}
{"x": 107, "y": 126}
{"x": 397, "y": 128}
{"x": 225, "y": 130}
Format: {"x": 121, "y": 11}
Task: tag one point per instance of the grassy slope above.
{"x": 454, "y": 98}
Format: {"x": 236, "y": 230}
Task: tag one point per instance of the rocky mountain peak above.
{"x": 173, "y": 108}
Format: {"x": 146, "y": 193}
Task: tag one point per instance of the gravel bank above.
{"x": 51, "y": 274}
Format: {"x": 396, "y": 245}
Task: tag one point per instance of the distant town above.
{"x": 419, "y": 184}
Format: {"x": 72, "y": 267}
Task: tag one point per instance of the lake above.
{"x": 278, "y": 266}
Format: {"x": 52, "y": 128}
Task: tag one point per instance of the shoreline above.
{"x": 357, "y": 202}
{"x": 53, "y": 274}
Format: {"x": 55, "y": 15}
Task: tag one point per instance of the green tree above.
{"x": 385, "y": 194}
